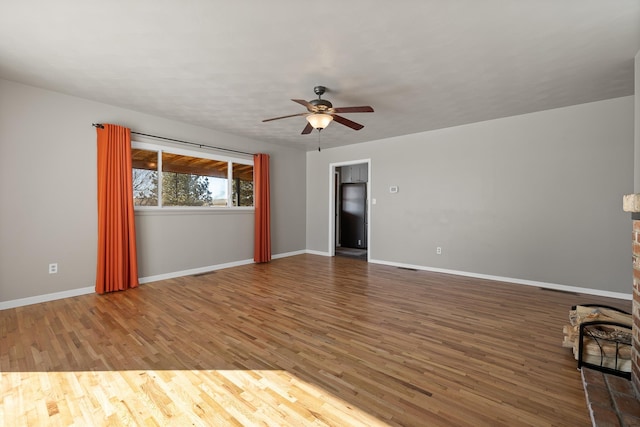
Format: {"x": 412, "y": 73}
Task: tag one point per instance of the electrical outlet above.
{"x": 53, "y": 268}
{"x": 439, "y": 250}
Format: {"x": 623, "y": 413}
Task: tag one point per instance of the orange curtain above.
{"x": 117, "y": 263}
{"x": 262, "y": 240}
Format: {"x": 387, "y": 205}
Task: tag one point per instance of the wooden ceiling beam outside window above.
{"x": 177, "y": 163}
{"x": 194, "y": 165}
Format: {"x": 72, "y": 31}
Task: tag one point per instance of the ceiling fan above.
{"x": 321, "y": 112}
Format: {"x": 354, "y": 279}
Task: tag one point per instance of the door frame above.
{"x": 337, "y": 177}
{"x": 332, "y": 204}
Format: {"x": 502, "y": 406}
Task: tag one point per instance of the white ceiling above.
{"x": 421, "y": 64}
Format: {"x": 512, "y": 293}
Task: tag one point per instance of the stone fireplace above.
{"x": 631, "y": 203}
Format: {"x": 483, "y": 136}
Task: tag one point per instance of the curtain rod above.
{"x": 101, "y": 126}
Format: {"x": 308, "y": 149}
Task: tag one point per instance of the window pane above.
{"x": 193, "y": 181}
{"x": 145, "y": 177}
{"x": 242, "y": 185}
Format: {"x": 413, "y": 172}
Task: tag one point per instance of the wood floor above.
{"x": 305, "y": 340}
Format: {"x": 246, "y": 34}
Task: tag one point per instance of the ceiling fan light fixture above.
{"x": 319, "y": 120}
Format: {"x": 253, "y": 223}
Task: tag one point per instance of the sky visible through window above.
{"x": 218, "y": 188}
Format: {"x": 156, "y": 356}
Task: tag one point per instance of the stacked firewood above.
{"x": 604, "y": 344}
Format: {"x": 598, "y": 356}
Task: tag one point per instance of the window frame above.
{"x": 159, "y": 148}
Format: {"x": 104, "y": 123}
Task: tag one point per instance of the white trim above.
{"x": 369, "y": 197}
{"x": 160, "y": 148}
{"x": 288, "y": 254}
{"x": 184, "y": 210}
{"x": 188, "y": 152}
{"x": 207, "y": 269}
{"x": 546, "y": 285}
{"x": 142, "y": 280}
{"x": 230, "y": 185}
{"x": 4, "y": 305}
{"x": 332, "y": 198}
{"x": 337, "y": 179}
{"x": 193, "y": 271}
{"x": 46, "y": 297}
{"x": 160, "y": 189}
{"x": 309, "y": 251}
{"x": 150, "y": 140}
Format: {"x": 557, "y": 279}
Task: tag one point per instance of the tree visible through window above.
{"x": 242, "y": 190}
{"x": 189, "y": 180}
{"x": 145, "y": 177}
{"x": 185, "y": 179}
{"x": 180, "y": 189}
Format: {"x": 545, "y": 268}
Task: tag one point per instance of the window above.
{"x": 145, "y": 177}
{"x": 242, "y": 189}
{"x": 164, "y": 177}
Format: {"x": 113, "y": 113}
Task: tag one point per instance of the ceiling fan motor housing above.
{"x": 321, "y": 105}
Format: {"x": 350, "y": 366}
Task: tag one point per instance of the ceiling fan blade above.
{"x": 286, "y": 117}
{"x": 307, "y": 129}
{"x": 347, "y": 122}
{"x": 363, "y": 109}
{"x": 304, "y": 103}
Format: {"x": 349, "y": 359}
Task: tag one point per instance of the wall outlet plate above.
{"x": 393, "y": 189}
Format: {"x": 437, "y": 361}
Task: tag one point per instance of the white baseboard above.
{"x": 142, "y": 280}
{"x": 288, "y": 254}
{"x": 555, "y": 286}
{"x": 83, "y": 291}
{"x": 46, "y": 297}
{"x": 193, "y": 271}
{"x": 309, "y": 251}
{"x": 210, "y": 268}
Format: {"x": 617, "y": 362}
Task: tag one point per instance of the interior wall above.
{"x": 533, "y": 197}
{"x": 637, "y": 126}
{"x": 48, "y": 187}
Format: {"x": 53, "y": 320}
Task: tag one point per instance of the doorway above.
{"x": 350, "y": 211}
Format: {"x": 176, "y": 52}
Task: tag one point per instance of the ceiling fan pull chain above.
{"x": 319, "y": 139}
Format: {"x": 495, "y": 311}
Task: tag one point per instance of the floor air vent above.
{"x": 206, "y": 273}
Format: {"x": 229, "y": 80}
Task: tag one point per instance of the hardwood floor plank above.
{"x": 305, "y": 340}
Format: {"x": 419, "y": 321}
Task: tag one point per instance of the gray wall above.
{"x": 637, "y": 126}
{"x": 48, "y": 189}
{"x": 533, "y": 197}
